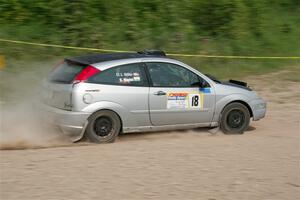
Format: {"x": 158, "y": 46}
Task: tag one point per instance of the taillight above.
{"x": 85, "y": 74}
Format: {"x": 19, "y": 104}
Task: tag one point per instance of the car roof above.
{"x": 97, "y": 58}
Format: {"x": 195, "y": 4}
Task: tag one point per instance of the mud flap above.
{"x": 214, "y": 130}
{"x": 77, "y": 138}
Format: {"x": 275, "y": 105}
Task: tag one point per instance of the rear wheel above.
{"x": 103, "y": 127}
{"x": 235, "y": 118}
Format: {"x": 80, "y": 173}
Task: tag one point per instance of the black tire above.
{"x": 103, "y": 127}
{"x": 235, "y": 118}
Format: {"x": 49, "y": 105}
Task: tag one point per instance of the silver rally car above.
{"x": 100, "y": 96}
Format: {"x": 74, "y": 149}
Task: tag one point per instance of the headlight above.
{"x": 261, "y": 106}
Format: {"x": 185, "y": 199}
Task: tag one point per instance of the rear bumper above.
{"x": 71, "y": 123}
{"x": 259, "y": 109}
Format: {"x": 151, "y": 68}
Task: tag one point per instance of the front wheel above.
{"x": 235, "y": 118}
{"x": 103, "y": 127}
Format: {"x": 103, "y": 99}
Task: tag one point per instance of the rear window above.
{"x": 126, "y": 75}
{"x": 65, "y": 72}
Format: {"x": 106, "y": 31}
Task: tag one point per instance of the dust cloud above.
{"x": 21, "y": 125}
{"x": 23, "y": 128}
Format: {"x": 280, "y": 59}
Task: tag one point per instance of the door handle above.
{"x": 159, "y": 93}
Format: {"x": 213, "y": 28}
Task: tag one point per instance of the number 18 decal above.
{"x": 195, "y": 101}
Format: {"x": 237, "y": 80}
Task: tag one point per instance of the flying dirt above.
{"x": 22, "y": 129}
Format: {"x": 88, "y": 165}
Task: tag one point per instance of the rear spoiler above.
{"x": 78, "y": 62}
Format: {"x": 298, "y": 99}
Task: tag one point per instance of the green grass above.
{"x": 212, "y": 27}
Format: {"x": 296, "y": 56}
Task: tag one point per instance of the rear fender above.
{"x": 124, "y": 114}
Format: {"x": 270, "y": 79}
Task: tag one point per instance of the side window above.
{"x": 128, "y": 75}
{"x": 171, "y": 75}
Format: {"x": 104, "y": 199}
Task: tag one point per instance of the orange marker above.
{"x": 2, "y": 62}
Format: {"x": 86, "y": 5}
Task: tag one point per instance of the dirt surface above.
{"x": 264, "y": 163}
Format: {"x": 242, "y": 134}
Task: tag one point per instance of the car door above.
{"x": 175, "y": 96}
{"x": 125, "y": 86}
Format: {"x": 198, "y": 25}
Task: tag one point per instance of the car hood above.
{"x": 238, "y": 84}
{"x": 226, "y": 89}
{"x": 231, "y": 82}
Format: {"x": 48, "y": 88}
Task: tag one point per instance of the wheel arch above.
{"x": 228, "y": 99}
{"x": 241, "y": 102}
{"x": 111, "y": 110}
{"x": 118, "y": 109}
{"x": 124, "y": 114}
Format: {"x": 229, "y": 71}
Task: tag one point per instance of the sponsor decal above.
{"x": 136, "y": 78}
{"x": 184, "y": 100}
{"x": 177, "y": 100}
{"x": 205, "y": 90}
{"x": 128, "y": 77}
{"x": 94, "y": 90}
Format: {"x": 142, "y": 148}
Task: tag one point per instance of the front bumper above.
{"x": 71, "y": 123}
{"x": 259, "y": 109}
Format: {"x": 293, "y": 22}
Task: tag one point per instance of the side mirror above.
{"x": 200, "y": 84}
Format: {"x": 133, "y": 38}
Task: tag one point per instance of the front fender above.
{"x": 221, "y": 102}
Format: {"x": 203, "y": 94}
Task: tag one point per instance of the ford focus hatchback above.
{"x": 100, "y": 96}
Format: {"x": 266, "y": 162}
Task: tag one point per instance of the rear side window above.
{"x": 65, "y": 72}
{"x": 127, "y": 75}
{"x": 171, "y": 75}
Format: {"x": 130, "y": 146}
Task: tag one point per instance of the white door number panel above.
{"x": 184, "y": 100}
{"x": 195, "y": 101}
